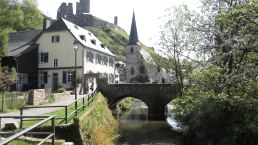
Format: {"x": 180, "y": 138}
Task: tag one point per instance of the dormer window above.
{"x": 83, "y": 37}
{"x": 93, "y": 41}
{"x": 55, "y": 39}
{"x": 102, "y": 45}
{"x": 76, "y": 27}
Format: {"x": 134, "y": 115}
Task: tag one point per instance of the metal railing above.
{"x": 15, "y": 135}
{"x": 67, "y": 116}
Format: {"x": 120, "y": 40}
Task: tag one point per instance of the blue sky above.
{"x": 147, "y": 13}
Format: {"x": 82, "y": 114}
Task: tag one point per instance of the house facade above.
{"x": 46, "y": 58}
{"x": 56, "y": 56}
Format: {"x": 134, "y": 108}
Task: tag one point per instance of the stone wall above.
{"x": 36, "y": 96}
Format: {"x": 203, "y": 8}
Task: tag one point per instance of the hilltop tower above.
{"x": 83, "y": 7}
{"x": 133, "y": 55}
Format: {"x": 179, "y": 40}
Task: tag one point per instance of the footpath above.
{"x": 39, "y": 111}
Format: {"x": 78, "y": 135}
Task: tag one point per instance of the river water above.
{"x": 136, "y": 129}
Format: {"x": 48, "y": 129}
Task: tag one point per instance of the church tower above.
{"x": 133, "y": 55}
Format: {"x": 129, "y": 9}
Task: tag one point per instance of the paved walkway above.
{"x": 39, "y": 111}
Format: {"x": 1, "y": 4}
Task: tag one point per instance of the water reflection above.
{"x": 135, "y": 129}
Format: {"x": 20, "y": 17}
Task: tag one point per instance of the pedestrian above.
{"x": 92, "y": 87}
{"x": 163, "y": 80}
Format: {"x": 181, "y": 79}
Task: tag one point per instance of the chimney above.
{"x": 46, "y": 24}
{"x": 115, "y": 20}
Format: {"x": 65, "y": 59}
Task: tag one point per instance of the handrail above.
{"x": 15, "y": 136}
{"x": 66, "y": 117}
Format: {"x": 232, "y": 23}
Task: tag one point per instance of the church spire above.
{"x": 133, "y": 39}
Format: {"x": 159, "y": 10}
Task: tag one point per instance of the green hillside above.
{"x": 117, "y": 41}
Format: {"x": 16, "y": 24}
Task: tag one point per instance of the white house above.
{"x": 57, "y": 56}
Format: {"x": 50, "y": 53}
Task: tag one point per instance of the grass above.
{"x": 60, "y": 113}
{"x": 13, "y": 102}
{"x": 99, "y": 127}
{"x": 26, "y": 142}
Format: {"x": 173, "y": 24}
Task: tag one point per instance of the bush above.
{"x": 61, "y": 90}
{"x": 216, "y": 117}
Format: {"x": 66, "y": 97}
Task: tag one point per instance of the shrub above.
{"x": 61, "y": 90}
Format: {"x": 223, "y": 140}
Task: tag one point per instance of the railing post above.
{"x": 53, "y": 130}
{"x": 66, "y": 119}
{"x": 76, "y": 108}
{"x": 88, "y": 99}
{"x": 21, "y": 120}
{"x": 0, "y": 125}
{"x": 83, "y": 103}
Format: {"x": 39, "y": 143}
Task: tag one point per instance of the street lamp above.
{"x": 75, "y": 47}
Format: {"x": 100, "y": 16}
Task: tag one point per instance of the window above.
{"x": 100, "y": 59}
{"x": 102, "y": 46}
{"x": 132, "y": 70}
{"x": 22, "y": 78}
{"x": 43, "y": 57}
{"x": 96, "y": 58}
{"x": 90, "y": 56}
{"x": 83, "y": 37}
{"x": 132, "y": 50}
{"x": 41, "y": 78}
{"x": 55, "y": 39}
{"x": 55, "y": 62}
{"x": 93, "y": 41}
{"x": 111, "y": 61}
{"x": 69, "y": 77}
{"x": 105, "y": 60}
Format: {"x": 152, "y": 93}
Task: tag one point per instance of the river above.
{"x": 136, "y": 129}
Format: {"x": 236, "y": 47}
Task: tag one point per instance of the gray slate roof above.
{"x": 21, "y": 42}
{"x": 133, "y": 38}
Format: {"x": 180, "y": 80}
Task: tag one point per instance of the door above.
{"x": 55, "y": 82}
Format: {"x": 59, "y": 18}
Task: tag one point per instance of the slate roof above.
{"x": 77, "y": 31}
{"x": 133, "y": 38}
{"x": 21, "y": 42}
{"x": 147, "y": 57}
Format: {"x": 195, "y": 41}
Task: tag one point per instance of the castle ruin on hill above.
{"x": 83, "y": 17}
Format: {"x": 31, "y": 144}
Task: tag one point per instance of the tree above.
{"x": 7, "y": 77}
{"x": 220, "y": 105}
{"x": 3, "y": 42}
{"x": 33, "y": 18}
{"x": 176, "y": 39}
{"x": 16, "y": 16}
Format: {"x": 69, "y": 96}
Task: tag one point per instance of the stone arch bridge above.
{"x": 155, "y": 96}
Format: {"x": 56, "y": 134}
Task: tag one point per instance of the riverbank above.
{"x": 98, "y": 125}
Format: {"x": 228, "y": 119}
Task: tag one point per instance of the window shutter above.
{"x": 46, "y": 57}
{"x": 58, "y": 38}
{"x": 53, "y": 39}
{"x": 64, "y": 77}
{"x": 45, "y": 77}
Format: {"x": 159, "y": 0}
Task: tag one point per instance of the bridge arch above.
{"x": 155, "y": 96}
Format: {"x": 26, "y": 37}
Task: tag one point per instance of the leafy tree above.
{"x": 7, "y": 77}
{"x": 33, "y": 18}
{"x": 176, "y": 39}
{"x": 3, "y": 42}
{"x": 16, "y": 16}
{"x": 219, "y": 106}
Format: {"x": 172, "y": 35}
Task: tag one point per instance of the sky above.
{"x": 147, "y": 13}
